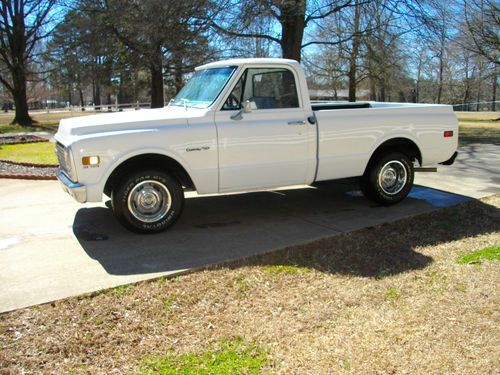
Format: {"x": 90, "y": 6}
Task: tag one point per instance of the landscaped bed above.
{"x": 27, "y": 156}
{"x": 406, "y": 297}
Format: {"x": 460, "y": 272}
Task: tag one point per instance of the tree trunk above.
{"x": 356, "y": 41}
{"x": 82, "y": 103}
{"x": 478, "y": 96}
{"x": 156, "y": 70}
{"x": 417, "y": 82}
{"x": 22, "y": 116}
{"x": 96, "y": 95}
{"x": 70, "y": 95}
{"x": 292, "y": 28}
{"x": 466, "y": 96}
{"x": 156, "y": 87}
{"x": 178, "y": 81}
{"x": 20, "y": 98}
{"x": 373, "y": 90}
{"x": 494, "y": 95}
{"x": 352, "y": 79}
{"x": 382, "y": 94}
{"x": 441, "y": 72}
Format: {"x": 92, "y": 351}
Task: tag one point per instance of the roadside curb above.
{"x": 26, "y": 177}
{"x": 25, "y": 142}
{"x": 22, "y": 139}
{"x": 25, "y": 164}
{"x": 16, "y": 176}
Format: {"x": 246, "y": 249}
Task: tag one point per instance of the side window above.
{"x": 267, "y": 88}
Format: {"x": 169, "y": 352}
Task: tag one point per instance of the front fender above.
{"x": 122, "y": 158}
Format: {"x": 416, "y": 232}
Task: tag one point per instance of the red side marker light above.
{"x": 448, "y": 133}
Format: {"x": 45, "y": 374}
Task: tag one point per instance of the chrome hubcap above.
{"x": 392, "y": 177}
{"x": 149, "y": 201}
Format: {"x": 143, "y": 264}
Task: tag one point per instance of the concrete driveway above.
{"x": 52, "y": 248}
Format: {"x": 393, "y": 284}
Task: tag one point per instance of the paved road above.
{"x": 52, "y": 248}
{"x": 476, "y": 172}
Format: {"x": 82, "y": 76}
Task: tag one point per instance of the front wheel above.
{"x": 388, "y": 178}
{"x": 148, "y": 202}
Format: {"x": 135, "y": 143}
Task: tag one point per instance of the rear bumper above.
{"x": 76, "y": 190}
{"x": 451, "y": 160}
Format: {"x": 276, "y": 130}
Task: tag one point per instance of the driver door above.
{"x": 271, "y": 146}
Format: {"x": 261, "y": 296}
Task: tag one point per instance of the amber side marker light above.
{"x": 448, "y": 133}
{"x": 91, "y": 160}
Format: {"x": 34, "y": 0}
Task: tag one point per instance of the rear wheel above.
{"x": 388, "y": 178}
{"x": 148, "y": 202}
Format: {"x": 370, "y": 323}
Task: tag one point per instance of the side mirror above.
{"x": 248, "y": 106}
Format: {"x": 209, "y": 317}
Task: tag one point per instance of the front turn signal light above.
{"x": 91, "y": 160}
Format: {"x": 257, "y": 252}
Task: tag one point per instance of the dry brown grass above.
{"x": 473, "y": 133}
{"x": 482, "y": 116}
{"x": 384, "y": 300}
{"x": 477, "y": 127}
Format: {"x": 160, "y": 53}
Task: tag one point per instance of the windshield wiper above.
{"x": 184, "y": 101}
{"x": 177, "y": 103}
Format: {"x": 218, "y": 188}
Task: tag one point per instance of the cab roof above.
{"x": 252, "y": 61}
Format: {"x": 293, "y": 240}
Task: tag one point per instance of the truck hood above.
{"x": 125, "y": 121}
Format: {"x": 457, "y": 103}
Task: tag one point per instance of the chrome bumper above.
{"x": 76, "y": 190}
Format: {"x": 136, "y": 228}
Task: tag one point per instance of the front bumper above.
{"x": 76, "y": 190}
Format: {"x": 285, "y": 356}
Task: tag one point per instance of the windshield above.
{"x": 203, "y": 88}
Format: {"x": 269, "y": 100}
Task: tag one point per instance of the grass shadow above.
{"x": 233, "y": 230}
{"x": 387, "y": 249}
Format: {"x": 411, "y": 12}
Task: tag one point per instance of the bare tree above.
{"x": 440, "y": 29}
{"x": 154, "y": 29}
{"x": 23, "y": 24}
{"x": 292, "y": 16}
{"x": 482, "y": 18}
{"x": 356, "y": 44}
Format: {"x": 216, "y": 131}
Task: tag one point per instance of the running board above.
{"x": 428, "y": 169}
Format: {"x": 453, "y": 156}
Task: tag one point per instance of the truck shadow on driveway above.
{"x": 226, "y": 228}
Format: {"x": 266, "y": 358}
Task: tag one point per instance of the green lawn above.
{"x": 477, "y": 257}
{"x": 227, "y": 357}
{"x": 40, "y": 153}
{"x": 45, "y": 121}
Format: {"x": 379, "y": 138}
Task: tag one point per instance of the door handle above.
{"x": 303, "y": 122}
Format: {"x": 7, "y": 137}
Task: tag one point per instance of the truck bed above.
{"x": 321, "y": 106}
{"x": 335, "y": 105}
{"x": 347, "y": 138}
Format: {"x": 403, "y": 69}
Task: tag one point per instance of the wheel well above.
{"x": 403, "y": 145}
{"x": 156, "y": 161}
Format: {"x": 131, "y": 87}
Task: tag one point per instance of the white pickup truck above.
{"x": 245, "y": 125}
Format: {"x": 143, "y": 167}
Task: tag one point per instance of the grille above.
{"x": 64, "y": 158}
